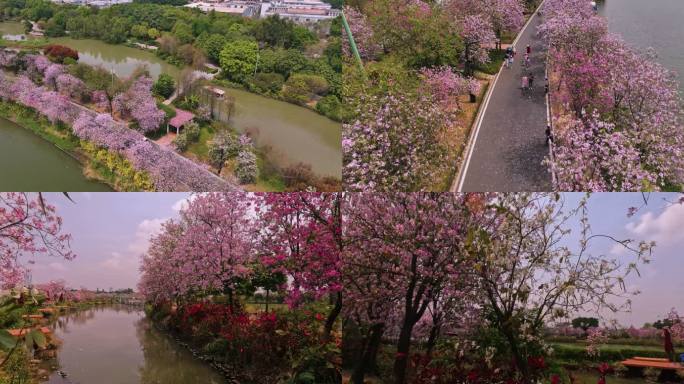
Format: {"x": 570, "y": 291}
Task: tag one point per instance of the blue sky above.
{"x": 111, "y": 230}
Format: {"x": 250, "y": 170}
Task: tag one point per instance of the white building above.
{"x": 300, "y": 11}
{"x": 236, "y": 7}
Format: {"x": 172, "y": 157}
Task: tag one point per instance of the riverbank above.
{"x": 64, "y": 141}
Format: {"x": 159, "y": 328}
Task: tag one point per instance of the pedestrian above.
{"x": 669, "y": 348}
{"x": 527, "y": 60}
{"x": 515, "y": 51}
{"x": 506, "y": 61}
{"x": 529, "y": 49}
{"x": 531, "y": 80}
{"x": 546, "y": 88}
{"x": 525, "y": 83}
{"x": 549, "y": 135}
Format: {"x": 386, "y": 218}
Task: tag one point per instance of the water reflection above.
{"x": 117, "y": 344}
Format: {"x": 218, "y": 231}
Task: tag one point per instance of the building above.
{"x": 244, "y": 8}
{"x": 93, "y": 3}
{"x": 300, "y": 11}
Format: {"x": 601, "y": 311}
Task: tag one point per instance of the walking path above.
{"x": 508, "y": 144}
{"x": 197, "y": 177}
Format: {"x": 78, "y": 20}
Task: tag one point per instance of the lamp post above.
{"x": 352, "y": 43}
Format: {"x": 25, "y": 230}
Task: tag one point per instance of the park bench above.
{"x": 650, "y": 362}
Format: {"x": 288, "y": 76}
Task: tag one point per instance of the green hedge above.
{"x": 607, "y": 353}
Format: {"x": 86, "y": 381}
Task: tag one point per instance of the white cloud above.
{"x": 58, "y": 267}
{"x": 116, "y": 261}
{"x": 146, "y": 229}
{"x": 183, "y": 203}
{"x": 128, "y": 260}
{"x": 664, "y": 228}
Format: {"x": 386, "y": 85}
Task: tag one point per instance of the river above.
{"x": 30, "y": 163}
{"x": 652, "y": 23}
{"x": 294, "y": 133}
{"x": 117, "y": 344}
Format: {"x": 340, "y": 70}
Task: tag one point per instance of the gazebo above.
{"x": 182, "y": 117}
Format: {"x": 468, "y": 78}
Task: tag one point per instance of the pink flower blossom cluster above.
{"x": 137, "y": 102}
{"x": 218, "y": 238}
{"x": 369, "y": 48}
{"x": 54, "y": 106}
{"x": 28, "y": 227}
{"x": 170, "y": 171}
{"x": 620, "y": 128}
{"x": 395, "y": 143}
{"x": 445, "y": 85}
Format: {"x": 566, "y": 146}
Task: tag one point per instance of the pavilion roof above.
{"x": 182, "y": 117}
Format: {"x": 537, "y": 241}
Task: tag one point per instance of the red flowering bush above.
{"x": 58, "y": 53}
{"x": 265, "y": 343}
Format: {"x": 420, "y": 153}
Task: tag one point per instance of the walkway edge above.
{"x": 457, "y": 186}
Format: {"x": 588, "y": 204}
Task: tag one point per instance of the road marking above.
{"x": 460, "y": 180}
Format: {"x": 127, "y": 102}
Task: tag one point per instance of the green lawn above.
{"x": 200, "y": 148}
{"x": 611, "y": 347}
{"x": 261, "y": 307}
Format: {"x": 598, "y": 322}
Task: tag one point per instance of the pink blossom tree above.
{"x": 139, "y": 103}
{"x": 529, "y": 273}
{"x": 626, "y": 133}
{"x": 301, "y": 237}
{"x": 395, "y": 142}
{"x": 28, "y": 227}
{"x": 403, "y": 251}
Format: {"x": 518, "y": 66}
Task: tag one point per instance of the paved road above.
{"x": 510, "y": 144}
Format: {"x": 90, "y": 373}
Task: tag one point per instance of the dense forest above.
{"x": 261, "y": 55}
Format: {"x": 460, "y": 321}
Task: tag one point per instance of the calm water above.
{"x": 296, "y": 134}
{"x": 29, "y": 163}
{"x": 651, "y": 23}
{"x": 116, "y": 345}
{"x": 123, "y": 60}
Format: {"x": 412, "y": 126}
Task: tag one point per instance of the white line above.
{"x": 460, "y": 180}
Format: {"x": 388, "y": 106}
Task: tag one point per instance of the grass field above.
{"x": 260, "y": 307}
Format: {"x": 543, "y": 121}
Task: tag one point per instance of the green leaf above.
{"x": 29, "y": 340}
{"x": 39, "y": 338}
{"x": 307, "y": 377}
{"x": 7, "y": 341}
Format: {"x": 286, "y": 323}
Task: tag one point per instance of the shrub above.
{"x": 608, "y": 353}
{"x": 181, "y": 142}
{"x": 58, "y": 53}
{"x": 192, "y": 131}
{"x": 217, "y": 347}
{"x": 651, "y": 374}
{"x": 164, "y": 86}
{"x": 620, "y": 370}
{"x": 300, "y": 88}
{"x": 267, "y": 83}
{"x": 331, "y": 107}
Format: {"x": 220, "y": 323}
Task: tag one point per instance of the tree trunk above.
{"x": 520, "y": 361}
{"x": 332, "y": 316}
{"x": 368, "y": 361}
{"x": 267, "y": 292}
{"x": 432, "y": 339}
{"x": 401, "y": 360}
